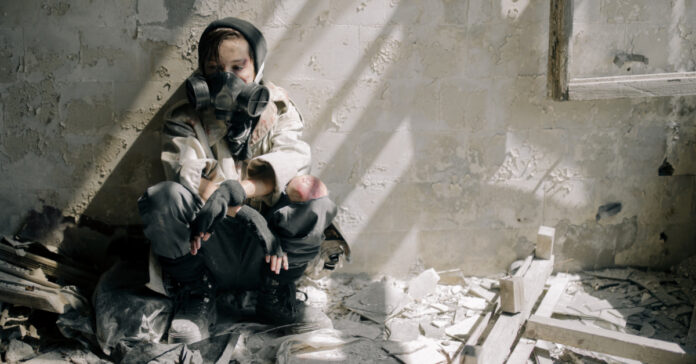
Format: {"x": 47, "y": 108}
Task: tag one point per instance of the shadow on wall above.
{"x": 417, "y": 187}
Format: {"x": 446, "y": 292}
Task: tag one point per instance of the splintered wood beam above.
{"x": 522, "y": 350}
{"x": 50, "y": 267}
{"x": 657, "y": 84}
{"x": 573, "y": 333}
{"x": 470, "y": 344}
{"x": 22, "y": 292}
{"x": 560, "y": 30}
{"x": 511, "y": 288}
{"x": 497, "y": 344}
{"x": 517, "y": 292}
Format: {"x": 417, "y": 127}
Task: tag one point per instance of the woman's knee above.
{"x": 305, "y": 188}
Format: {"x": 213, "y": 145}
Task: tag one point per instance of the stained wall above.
{"x": 428, "y": 120}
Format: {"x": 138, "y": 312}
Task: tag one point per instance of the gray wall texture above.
{"x": 428, "y": 120}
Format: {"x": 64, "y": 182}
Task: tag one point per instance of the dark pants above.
{"x": 233, "y": 255}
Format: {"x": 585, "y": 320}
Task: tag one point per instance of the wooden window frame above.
{"x": 561, "y": 88}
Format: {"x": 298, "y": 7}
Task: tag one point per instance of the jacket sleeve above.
{"x": 183, "y": 156}
{"x": 289, "y": 155}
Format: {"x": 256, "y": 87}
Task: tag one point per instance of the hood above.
{"x": 257, "y": 43}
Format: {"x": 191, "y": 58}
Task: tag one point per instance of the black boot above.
{"x": 193, "y": 292}
{"x": 277, "y": 304}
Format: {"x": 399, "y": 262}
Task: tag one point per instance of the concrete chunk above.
{"x": 424, "y": 284}
{"x": 545, "y": 239}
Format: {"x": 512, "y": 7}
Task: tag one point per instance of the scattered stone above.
{"x": 647, "y": 330}
{"x": 403, "y": 330}
{"x": 17, "y": 351}
{"x": 378, "y": 302}
{"x": 440, "y": 307}
{"x": 440, "y": 323}
{"x": 462, "y": 328}
{"x": 473, "y": 303}
{"x": 424, "y": 284}
{"x": 482, "y": 292}
{"x": 428, "y": 329}
{"x": 358, "y": 329}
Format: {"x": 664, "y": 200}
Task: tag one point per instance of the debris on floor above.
{"x": 432, "y": 317}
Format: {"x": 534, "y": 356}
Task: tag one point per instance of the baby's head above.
{"x": 305, "y": 188}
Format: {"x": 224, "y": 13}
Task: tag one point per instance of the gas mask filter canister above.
{"x": 227, "y": 93}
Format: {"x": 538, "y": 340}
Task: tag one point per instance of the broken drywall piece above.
{"x": 440, "y": 307}
{"x": 462, "y": 328}
{"x": 378, "y": 301}
{"x": 427, "y": 355}
{"x": 399, "y": 348}
{"x": 474, "y": 303}
{"x": 424, "y": 284}
{"x": 429, "y": 328}
{"x": 482, "y": 292}
{"x": 403, "y": 329}
{"x": 415, "y": 352}
{"x": 652, "y": 284}
{"x": 353, "y": 328}
{"x": 17, "y": 351}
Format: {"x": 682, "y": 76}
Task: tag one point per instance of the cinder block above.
{"x": 512, "y": 294}
{"x": 545, "y": 239}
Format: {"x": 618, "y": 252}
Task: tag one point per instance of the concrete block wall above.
{"x": 429, "y": 121}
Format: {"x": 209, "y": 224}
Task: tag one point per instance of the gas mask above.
{"x": 227, "y": 93}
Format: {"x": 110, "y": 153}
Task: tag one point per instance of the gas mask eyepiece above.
{"x": 227, "y": 93}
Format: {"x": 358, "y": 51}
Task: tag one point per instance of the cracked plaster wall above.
{"x": 428, "y": 120}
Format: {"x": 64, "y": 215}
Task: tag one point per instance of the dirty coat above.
{"x": 194, "y": 142}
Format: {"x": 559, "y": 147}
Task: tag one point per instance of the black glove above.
{"x": 229, "y": 193}
{"x": 257, "y": 225}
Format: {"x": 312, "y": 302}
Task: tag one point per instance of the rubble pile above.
{"x": 429, "y": 318}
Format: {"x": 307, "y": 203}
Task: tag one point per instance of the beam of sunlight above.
{"x": 406, "y": 252}
{"x": 113, "y": 150}
{"x": 387, "y": 171}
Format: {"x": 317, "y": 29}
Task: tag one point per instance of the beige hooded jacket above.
{"x": 193, "y": 145}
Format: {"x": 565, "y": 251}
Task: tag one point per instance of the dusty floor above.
{"x": 421, "y": 320}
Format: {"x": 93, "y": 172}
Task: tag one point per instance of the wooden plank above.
{"x": 544, "y": 246}
{"x": 659, "y": 84}
{"x": 560, "y": 30}
{"x": 652, "y": 284}
{"x": 497, "y": 345}
{"x": 554, "y": 292}
{"x": 32, "y": 275}
{"x": 524, "y": 267}
{"x": 470, "y": 346}
{"x": 573, "y": 333}
{"x": 21, "y": 292}
{"x": 522, "y": 351}
{"x": 512, "y": 288}
{"x": 512, "y": 294}
{"x": 49, "y": 266}
{"x": 479, "y": 291}
{"x": 545, "y": 309}
{"x": 516, "y": 292}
